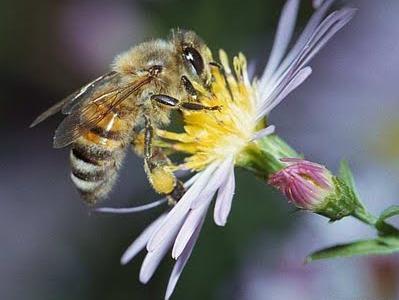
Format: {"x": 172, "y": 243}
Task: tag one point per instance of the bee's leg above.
{"x": 188, "y": 86}
{"x": 148, "y": 138}
{"x": 157, "y": 166}
{"x": 197, "y": 106}
{"x": 175, "y": 103}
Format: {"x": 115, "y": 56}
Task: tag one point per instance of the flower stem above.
{"x": 364, "y": 216}
{"x": 383, "y": 228}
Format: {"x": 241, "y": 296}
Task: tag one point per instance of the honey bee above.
{"x": 131, "y": 101}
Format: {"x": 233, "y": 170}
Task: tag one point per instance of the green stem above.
{"x": 383, "y": 228}
{"x": 364, "y": 216}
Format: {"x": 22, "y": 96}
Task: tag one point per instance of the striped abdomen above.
{"x": 97, "y": 156}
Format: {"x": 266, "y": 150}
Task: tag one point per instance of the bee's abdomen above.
{"x": 95, "y": 166}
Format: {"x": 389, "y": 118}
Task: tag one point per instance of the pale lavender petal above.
{"x": 264, "y": 132}
{"x": 319, "y": 37}
{"x": 284, "y": 91}
{"x": 317, "y": 3}
{"x": 182, "y": 260}
{"x": 179, "y": 212}
{"x": 284, "y": 33}
{"x": 140, "y": 242}
{"x": 311, "y": 48}
{"x": 310, "y": 43}
{"x": 327, "y": 31}
{"x": 217, "y": 179}
{"x": 127, "y": 210}
{"x": 190, "y": 182}
{"x": 224, "y": 199}
{"x": 153, "y": 259}
{"x": 194, "y": 218}
{"x": 200, "y": 205}
{"x": 303, "y": 39}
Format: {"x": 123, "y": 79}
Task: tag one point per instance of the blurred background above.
{"x": 52, "y": 247}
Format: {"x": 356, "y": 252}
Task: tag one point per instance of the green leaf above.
{"x": 346, "y": 175}
{"x": 382, "y": 245}
{"x": 385, "y": 228}
{"x": 389, "y": 212}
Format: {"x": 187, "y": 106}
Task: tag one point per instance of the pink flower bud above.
{"x": 304, "y": 183}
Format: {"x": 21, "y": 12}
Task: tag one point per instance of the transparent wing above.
{"x": 87, "y": 114}
{"x": 67, "y": 104}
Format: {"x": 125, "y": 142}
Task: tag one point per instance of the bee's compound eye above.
{"x": 192, "y": 56}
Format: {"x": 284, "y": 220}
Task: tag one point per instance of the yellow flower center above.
{"x": 214, "y": 135}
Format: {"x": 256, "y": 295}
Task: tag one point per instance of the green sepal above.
{"x": 342, "y": 203}
{"x": 381, "y": 245}
{"x": 263, "y": 157}
{"x": 346, "y": 175}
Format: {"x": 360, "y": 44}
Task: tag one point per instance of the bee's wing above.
{"x": 85, "y": 115}
{"x": 75, "y": 98}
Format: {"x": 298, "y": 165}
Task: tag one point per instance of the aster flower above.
{"x": 237, "y": 135}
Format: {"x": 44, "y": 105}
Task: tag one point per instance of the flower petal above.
{"x": 321, "y": 35}
{"x": 153, "y": 259}
{"x": 140, "y": 242}
{"x": 284, "y": 33}
{"x": 217, "y": 179}
{"x": 175, "y": 217}
{"x": 194, "y": 218}
{"x": 317, "y": 3}
{"x": 181, "y": 262}
{"x": 264, "y": 132}
{"x": 200, "y": 205}
{"x": 327, "y": 30}
{"x": 127, "y": 210}
{"x": 309, "y": 44}
{"x": 224, "y": 199}
{"x": 284, "y": 91}
{"x": 304, "y": 37}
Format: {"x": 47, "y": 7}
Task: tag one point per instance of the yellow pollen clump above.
{"x": 162, "y": 180}
{"x": 214, "y": 135}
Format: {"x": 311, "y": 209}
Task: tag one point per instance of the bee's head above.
{"x": 195, "y": 54}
